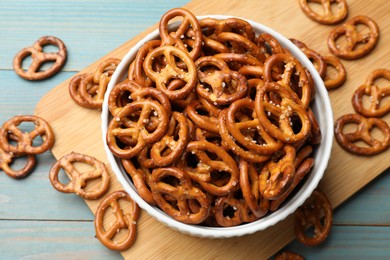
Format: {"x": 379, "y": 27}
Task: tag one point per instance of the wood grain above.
{"x": 350, "y": 242}
{"x": 19, "y": 97}
{"x": 341, "y": 180}
{"x": 80, "y": 24}
{"x": 51, "y": 240}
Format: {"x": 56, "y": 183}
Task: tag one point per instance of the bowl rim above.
{"x": 269, "y": 220}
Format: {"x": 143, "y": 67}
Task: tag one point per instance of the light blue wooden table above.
{"x": 38, "y": 222}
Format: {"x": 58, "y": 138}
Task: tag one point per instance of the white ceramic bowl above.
{"x": 321, "y": 107}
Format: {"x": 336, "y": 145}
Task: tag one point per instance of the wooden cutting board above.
{"x": 78, "y": 129}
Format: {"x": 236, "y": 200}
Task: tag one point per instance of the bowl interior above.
{"x": 321, "y": 107}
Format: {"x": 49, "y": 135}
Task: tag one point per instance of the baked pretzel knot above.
{"x": 317, "y": 60}
{"x": 172, "y": 145}
{"x": 282, "y": 114}
{"x": 334, "y": 80}
{"x": 356, "y": 44}
{"x": 230, "y": 142}
{"x": 293, "y": 75}
{"x": 201, "y": 117}
{"x": 245, "y": 127}
{"x": 376, "y": 94}
{"x": 230, "y": 211}
{"x": 39, "y": 57}
{"x": 350, "y": 141}
{"x": 178, "y": 38}
{"x": 79, "y": 179}
{"x": 6, "y": 160}
{"x": 310, "y": 214}
{"x": 25, "y": 140}
{"x": 328, "y": 16}
{"x": 213, "y": 27}
{"x": 216, "y": 171}
{"x": 93, "y": 86}
{"x": 303, "y": 164}
{"x": 219, "y": 85}
{"x": 171, "y": 71}
{"x": 175, "y": 196}
{"x": 129, "y": 90}
{"x": 276, "y": 176}
{"x": 136, "y": 71}
{"x": 125, "y": 218}
{"x": 249, "y": 182}
{"x": 141, "y": 178}
{"x": 88, "y": 89}
{"x": 140, "y": 114}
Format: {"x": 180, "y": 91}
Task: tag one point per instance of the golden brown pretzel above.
{"x": 328, "y": 16}
{"x": 265, "y": 40}
{"x": 249, "y": 183}
{"x": 126, "y": 217}
{"x": 120, "y": 95}
{"x": 248, "y": 130}
{"x": 214, "y": 165}
{"x": 357, "y": 44}
{"x": 7, "y": 158}
{"x": 214, "y": 27}
{"x": 252, "y": 72}
{"x": 142, "y": 111}
{"x": 229, "y": 142}
{"x": 79, "y": 179}
{"x": 376, "y": 108}
{"x": 144, "y": 158}
{"x": 236, "y": 61}
{"x": 253, "y": 85}
{"x": 88, "y": 90}
{"x": 229, "y": 211}
{"x": 130, "y": 91}
{"x": 334, "y": 81}
{"x": 98, "y": 80}
{"x": 219, "y": 86}
{"x": 303, "y": 165}
{"x": 175, "y": 38}
{"x": 181, "y": 192}
{"x": 105, "y": 68}
{"x": 181, "y": 104}
{"x": 362, "y": 133}
{"x": 172, "y": 145}
{"x": 241, "y": 44}
{"x": 198, "y": 114}
{"x": 316, "y": 58}
{"x": 282, "y": 114}
{"x": 212, "y": 47}
{"x": 137, "y": 72}
{"x": 287, "y": 78}
{"x": 74, "y": 89}
{"x": 213, "y": 110}
{"x": 204, "y": 135}
{"x": 140, "y": 177}
{"x": 39, "y": 57}
{"x": 309, "y": 214}
{"x": 276, "y": 177}
{"x": 171, "y": 71}
{"x": 24, "y": 140}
